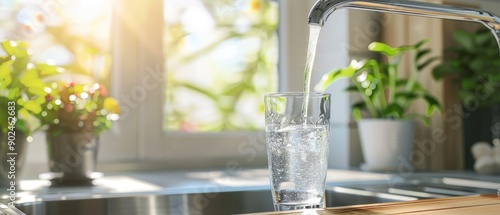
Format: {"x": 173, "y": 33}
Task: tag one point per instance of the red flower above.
{"x": 69, "y": 83}
{"x": 49, "y": 98}
{"x": 102, "y": 90}
{"x": 68, "y": 107}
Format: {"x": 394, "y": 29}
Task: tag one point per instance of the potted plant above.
{"x": 22, "y": 92}
{"x": 474, "y": 65}
{"x": 388, "y": 133}
{"x": 75, "y": 115}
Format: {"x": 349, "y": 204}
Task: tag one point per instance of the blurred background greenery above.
{"x": 221, "y": 56}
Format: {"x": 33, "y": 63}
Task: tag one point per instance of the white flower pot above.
{"x": 386, "y": 144}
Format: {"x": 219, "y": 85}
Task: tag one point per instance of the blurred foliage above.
{"x": 74, "y": 35}
{"x": 71, "y": 107}
{"x": 22, "y": 84}
{"x": 475, "y": 63}
{"x": 384, "y": 94}
{"x": 219, "y": 64}
{"x": 63, "y": 33}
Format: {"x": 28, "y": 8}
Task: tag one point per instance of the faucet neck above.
{"x": 323, "y": 8}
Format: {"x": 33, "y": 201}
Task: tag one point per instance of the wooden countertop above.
{"x": 470, "y": 205}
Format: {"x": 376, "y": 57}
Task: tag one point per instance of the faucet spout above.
{"x": 323, "y": 8}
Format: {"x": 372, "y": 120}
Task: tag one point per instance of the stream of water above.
{"x": 311, "y": 53}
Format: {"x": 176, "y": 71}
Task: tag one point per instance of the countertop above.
{"x": 478, "y": 204}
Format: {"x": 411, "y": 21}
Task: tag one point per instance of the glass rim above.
{"x": 296, "y": 94}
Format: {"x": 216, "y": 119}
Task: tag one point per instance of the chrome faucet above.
{"x": 323, "y": 8}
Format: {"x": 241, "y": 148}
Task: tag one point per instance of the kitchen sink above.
{"x": 252, "y": 201}
{"x": 199, "y": 203}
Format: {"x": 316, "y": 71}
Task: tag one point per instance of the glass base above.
{"x": 289, "y": 207}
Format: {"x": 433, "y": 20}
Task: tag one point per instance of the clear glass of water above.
{"x": 297, "y": 138}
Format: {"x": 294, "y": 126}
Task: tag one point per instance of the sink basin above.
{"x": 199, "y": 203}
{"x": 253, "y": 201}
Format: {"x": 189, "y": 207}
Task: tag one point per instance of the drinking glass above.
{"x": 297, "y": 137}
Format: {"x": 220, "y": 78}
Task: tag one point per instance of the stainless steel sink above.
{"x": 200, "y": 203}
{"x": 258, "y": 200}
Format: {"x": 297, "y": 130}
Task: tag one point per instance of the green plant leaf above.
{"x": 406, "y": 95}
{"x": 432, "y": 105}
{"x": 8, "y": 47}
{"x": 464, "y": 39}
{"x": 483, "y": 37}
{"x": 33, "y": 106}
{"x": 420, "y": 43}
{"x": 356, "y": 109}
{"x": 48, "y": 70}
{"x": 468, "y": 84}
{"x": 422, "y": 53}
{"x": 351, "y": 88}
{"x": 427, "y": 63}
{"x": 22, "y": 126}
{"x": 333, "y": 76}
{"x": 418, "y": 88}
{"x": 356, "y": 113}
{"x": 383, "y": 49}
{"x": 443, "y": 69}
{"x": 14, "y": 93}
{"x": 5, "y": 77}
{"x": 34, "y": 84}
{"x": 393, "y": 110}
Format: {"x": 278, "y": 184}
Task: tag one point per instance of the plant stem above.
{"x": 411, "y": 83}
{"x": 392, "y": 78}
{"x": 380, "y": 86}
{"x": 369, "y": 104}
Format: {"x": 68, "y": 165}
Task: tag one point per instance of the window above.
{"x": 221, "y": 58}
{"x": 155, "y": 128}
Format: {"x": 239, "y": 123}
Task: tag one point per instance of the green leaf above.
{"x": 383, "y": 49}
{"x": 468, "y": 84}
{"x": 421, "y": 53}
{"x": 356, "y": 113}
{"x": 427, "y": 63}
{"x": 31, "y": 80}
{"x": 444, "y": 69}
{"x": 21, "y": 126}
{"x": 356, "y": 109}
{"x": 406, "y": 95}
{"x": 432, "y": 105}
{"x": 5, "y": 77}
{"x": 48, "y": 70}
{"x": 401, "y": 82}
{"x": 333, "y": 76}
{"x": 352, "y": 88}
{"x": 420, "y": 43}
{"x": 483, "y": 37}
{"x": 14, "y": 93}
{"x": 417, "y": 87}
{"x": 464, "y": 39}
{"x": 8, "y": 47}
{"x": 393, "y": 110}
{"x": 33, "y": 106}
